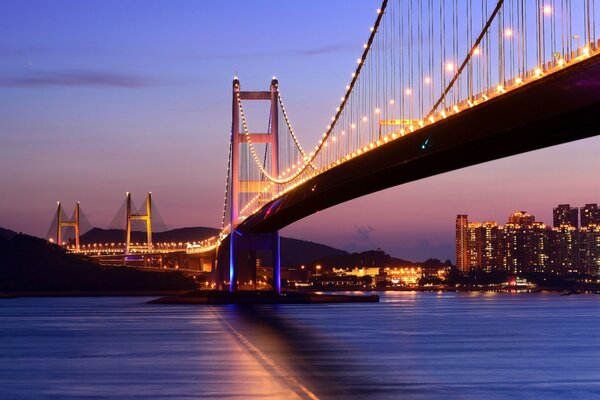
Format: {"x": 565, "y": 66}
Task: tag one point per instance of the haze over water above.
{"x": 409, "y": 346}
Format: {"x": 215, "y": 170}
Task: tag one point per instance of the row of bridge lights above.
{"x": 450, "y": 67}
{"x": 156, "y": 245}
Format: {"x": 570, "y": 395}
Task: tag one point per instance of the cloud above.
{"x": 31, "y": 142}
{"x": 361, "y": 239}
{"x": 329, "y": 49}
{"x": 22, "y": 51}
{"x": 77, "y": 79}
{"x": 363, "y": 234}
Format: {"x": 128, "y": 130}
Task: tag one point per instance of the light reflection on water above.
{"x": 410, "y": 346}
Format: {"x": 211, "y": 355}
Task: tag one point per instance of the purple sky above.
{"x": 102, "y": 97}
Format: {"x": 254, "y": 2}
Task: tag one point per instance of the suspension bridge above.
{"x": 439, "y": 85}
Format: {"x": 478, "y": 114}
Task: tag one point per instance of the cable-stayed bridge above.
{"x": 439, "y": 85}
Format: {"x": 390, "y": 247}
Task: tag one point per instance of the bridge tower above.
{"x": 243, "y": 246}
{"x": 63, "y": 224}
{"x": 139, "y": 217}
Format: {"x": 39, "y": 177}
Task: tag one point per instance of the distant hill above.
{"x": 296, "y": 252}
{"x": 32, "y": 264}
{"x": 373, "y": 258}
{"x": 293, "y": 251}
{"x": 7, "y": 233}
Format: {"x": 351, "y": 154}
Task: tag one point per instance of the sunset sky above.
{"x": 102, "y": 97}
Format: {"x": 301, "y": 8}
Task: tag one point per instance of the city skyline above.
{"x": 165, "y": 104}
{"x": 524, "y": 244}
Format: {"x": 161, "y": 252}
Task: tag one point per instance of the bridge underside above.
{"x": 559, "y": 108}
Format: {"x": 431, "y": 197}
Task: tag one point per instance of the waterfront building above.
{"x": 521, "y": 218}
{"x": 590, "y": 215}
{"x": 404, "y": 275}
{"x": 357, "y": 271}
{"x": 483, "y": 246}
{"x": 589, "y": 248}
{"x": 564, "y": 214}
{"x": 524, "y": 244}
{"x": 462, "y": 224}
{"x": 474, "y": 248}
{"x": 564, "y": 250}
{"x": 490, "y": 236}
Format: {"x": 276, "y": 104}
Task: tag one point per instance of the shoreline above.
{"x": 89, "y": 293}
{"x": 461, "y": 289}
{"x": 253, "y": 297}
{"x": 163, "y": 293}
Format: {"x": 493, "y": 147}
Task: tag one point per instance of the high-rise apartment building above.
{"x": 590, "y": 215}
{"x": 564, "y": 250}
{"x": 490, "y": 236}
{"x": 521, "y": 218}
{"x": 462, "y": 225}
{"x": 564, "y": 214}
{"x": 473, "y": 246}
{"x": 480, "y": 250}
{"x": 524, "y": 244}
{"x": 589, "y": 249}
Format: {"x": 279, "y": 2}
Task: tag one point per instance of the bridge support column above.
{"x": 242, "y": 257}
{"x": 233, "y": 265}
{"x": 243, "y": 251}
{"x": 276, "y": 247}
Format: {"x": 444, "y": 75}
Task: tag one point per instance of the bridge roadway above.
{"x": 158, "y": 260}
{"x": 557, "y": 108}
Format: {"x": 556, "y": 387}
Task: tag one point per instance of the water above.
{"x": 409, "y": 346}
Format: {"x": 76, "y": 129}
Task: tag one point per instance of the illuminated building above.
{"x": 564, "y": 214}
{"x": 564, "y": 250}
{"x": 590, "y": 215}
{"x": 488, "y": 237}
{"x": 404, "y": 275}
{"x": 521, "y": 218}
{"x": 356, "y": 271}
{"x": 589, "y": 248}
{"x": 483, "y": 246}
{"x": 462, "y": 223}
{"x": 525, "y": 244}
{"x": 473, "y": 247}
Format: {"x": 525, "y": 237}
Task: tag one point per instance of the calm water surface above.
{"x": 409, "y": 346}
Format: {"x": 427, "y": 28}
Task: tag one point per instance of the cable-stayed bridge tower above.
{"x": 62, "y": 223}
{"x": 147, "y": 217}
